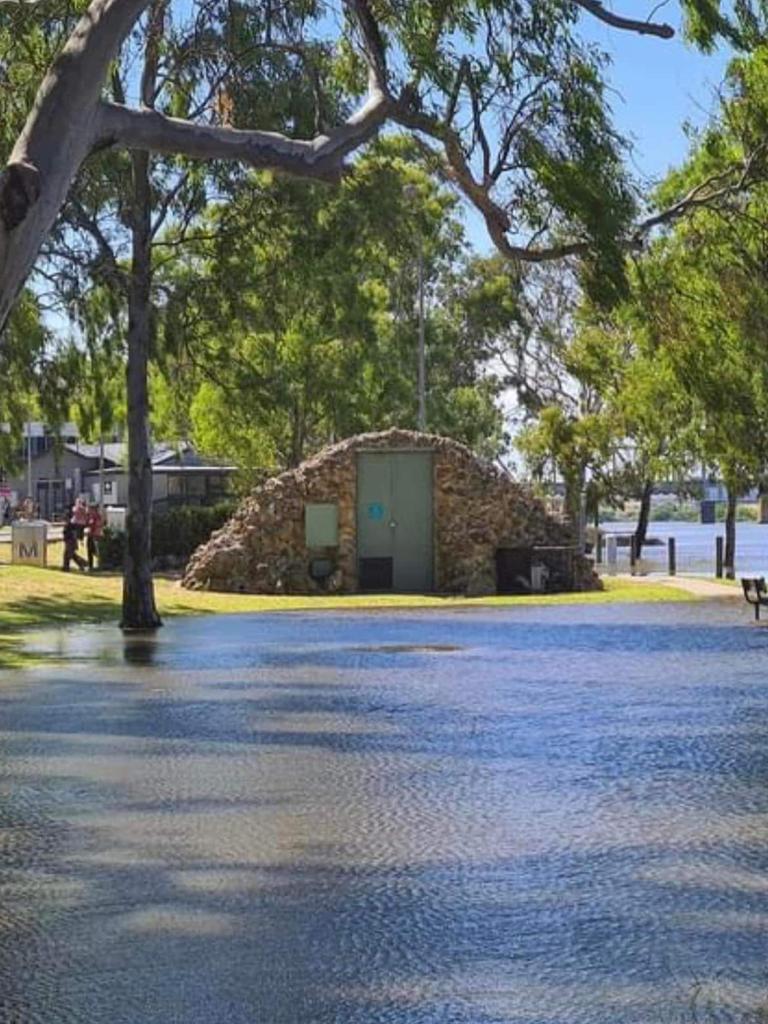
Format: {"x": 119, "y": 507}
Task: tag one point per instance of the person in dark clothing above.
{"x": 94, "y": 531}
{"x": 71, "y": 543}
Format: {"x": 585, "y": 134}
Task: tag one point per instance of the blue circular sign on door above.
{"x": 376, "y": 511}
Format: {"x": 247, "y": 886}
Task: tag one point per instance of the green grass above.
{"x": 31, "y": 597}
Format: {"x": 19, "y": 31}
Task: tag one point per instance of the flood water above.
{"x": 696, "y": 546}
{"x": 544, "y": 815}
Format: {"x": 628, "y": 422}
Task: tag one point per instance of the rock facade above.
{"x": 477, "y": 508}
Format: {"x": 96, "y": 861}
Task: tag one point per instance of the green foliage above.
{"x": 674, "y": 511}
{"x": 112, "y": 549}
{"x": 33, "y": 379}
{"x": 176, "y": 533}
{"x": 294, "y": 322}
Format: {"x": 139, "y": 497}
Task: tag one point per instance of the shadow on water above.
{"x": 535, "y": 828}
{"x": 140, "y": 648}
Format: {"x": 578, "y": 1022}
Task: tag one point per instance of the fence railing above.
{"x": 615, "y": 553}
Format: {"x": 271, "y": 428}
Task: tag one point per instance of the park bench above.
{"x": 755, "y": 592}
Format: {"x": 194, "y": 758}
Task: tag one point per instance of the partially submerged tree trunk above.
{"x": 139, "y": 610}
{"x": 641, "y": 531}
{"x": 729, "y": 559}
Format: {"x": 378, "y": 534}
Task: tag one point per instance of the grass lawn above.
{"x": 32, "y": 597}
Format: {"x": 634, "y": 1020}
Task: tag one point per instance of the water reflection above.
{"x": 517, "y": 817}
{"x": 140, "y": 648}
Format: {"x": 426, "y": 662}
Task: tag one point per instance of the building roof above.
{"x": 204, "y": 468}
{"x": 113, "y": 451}
{"x": 45, "y": 454}
{"x": 164, "y": 455}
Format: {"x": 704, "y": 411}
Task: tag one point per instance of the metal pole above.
{"x": 672, "y": 554}
{"x": 29, "y": 459}
{"x": 719, "y": 557}
{"x": 422, "y": 355}
{"x": 101, "y": 475}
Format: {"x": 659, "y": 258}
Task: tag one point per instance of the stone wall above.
{"x": 477, "y": 508}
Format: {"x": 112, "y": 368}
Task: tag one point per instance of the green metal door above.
{"x": 394, "y": 520}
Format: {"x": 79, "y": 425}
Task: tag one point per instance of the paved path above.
{"x": 699, "y": 586}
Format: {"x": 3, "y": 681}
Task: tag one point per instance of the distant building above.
{"x": 180, "y": 476}
{"x": 55, "y": 473}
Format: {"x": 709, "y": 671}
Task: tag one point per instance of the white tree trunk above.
{"x": 59, "y": 134}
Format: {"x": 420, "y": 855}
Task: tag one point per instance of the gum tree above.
{"x": 446, "y": 71}
{"x": 507, "y": 104}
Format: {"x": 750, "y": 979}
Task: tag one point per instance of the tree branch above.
{"x": 643, "y": 28}
{"x": 373, "y": 43}
{"x": 455, "y": 168}
{"x": 321, "y": 157}
{"x": 709, "y": 192}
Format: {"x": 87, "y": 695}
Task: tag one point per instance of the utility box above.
{"x": 116, "y": 518}
{"x": 29, "y": 541}
{"x": 321, "y": 525}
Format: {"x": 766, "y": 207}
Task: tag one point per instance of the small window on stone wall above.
{"x": 321, "y": 525}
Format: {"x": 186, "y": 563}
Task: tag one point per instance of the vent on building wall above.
{"x": 375, "y": 574}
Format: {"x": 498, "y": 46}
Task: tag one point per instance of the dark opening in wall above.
{"x": 375, "y": 574}
{"x": 513, "y": 570}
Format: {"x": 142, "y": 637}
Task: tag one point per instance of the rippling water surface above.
{"x": 546, "y": 815}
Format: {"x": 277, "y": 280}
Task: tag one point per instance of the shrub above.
{"x": 111, "y": 549}
{"x": 176, "y": 532}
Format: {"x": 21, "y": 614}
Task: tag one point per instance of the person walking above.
{"x": 71, "y": 538}
{"x": 80, "y": 516}
{"x": 94, "y": 531}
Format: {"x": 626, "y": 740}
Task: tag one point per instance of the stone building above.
{"x": 399, "y": 511}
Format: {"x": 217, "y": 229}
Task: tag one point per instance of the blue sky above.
{"x": 657, "y": 86}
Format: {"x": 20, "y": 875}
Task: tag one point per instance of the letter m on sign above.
{"x": 28, "y": 551}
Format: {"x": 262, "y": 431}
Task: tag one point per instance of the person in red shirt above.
{"x": 94, "y": 529}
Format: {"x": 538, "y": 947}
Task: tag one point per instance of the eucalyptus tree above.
{"x": 711, "y": 304}
{"x": 291, "y": 321}
{"x": 575, "y": 442}
{"x": 508, "y": 104}
{"x": 623, "y": 360}
{"x": 130, "y": 211}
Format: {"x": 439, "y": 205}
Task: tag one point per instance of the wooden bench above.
{"x": 755, "y": 592}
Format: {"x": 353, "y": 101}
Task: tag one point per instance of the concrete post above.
{"x": 611, "y": 554}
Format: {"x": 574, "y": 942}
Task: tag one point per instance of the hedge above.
{"x": 176, "y": 532}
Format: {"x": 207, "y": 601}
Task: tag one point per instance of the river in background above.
{"x": 549, "y": 815}
{"x": 695, "y": 543}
